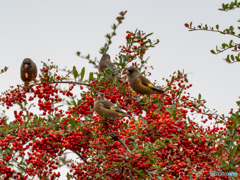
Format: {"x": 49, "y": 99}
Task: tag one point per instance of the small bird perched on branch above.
{"x": 141, "y": 84}
{"x": 28, "y": 71}
{"x": 106, "y": 108}
{"x": 103, "y": 64}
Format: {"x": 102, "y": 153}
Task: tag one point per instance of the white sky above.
{"x": 56, "y": 29}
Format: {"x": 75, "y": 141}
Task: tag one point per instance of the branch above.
{"x": 189, "y": 26}
{"x": 3, "y": 70}
{"x": 79, "y": 155}
{"x": 119, "y": 140}
{"x": 235, "y": 49}
{"x": 231, "y": 6}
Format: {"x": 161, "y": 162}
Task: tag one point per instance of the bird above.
{"x": 103, "y": 107}
{"x": 103, "y": 64}
{"x": 141, "y": 84}
{"x": 28, "y": 71}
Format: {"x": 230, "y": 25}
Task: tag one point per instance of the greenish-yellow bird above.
{"x": 106, "y": 108}
{"x": 103, "y": 64}
{"x": 141, "y": 84}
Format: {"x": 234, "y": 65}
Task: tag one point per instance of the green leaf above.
{"x": 190, "y": 176}
{"x": 155, "y": 101}
{"x": 233, "y": 151}
{"x": 199, "y": 96}
{"x": 44, "y": 156}
{"x": 72, "y": 122}
{"x": 188, "y": 161}
{"x": 212, "y": 51}
{"x": 120, "y": 57}
{"x": 124, "y": 58}
{"x": 217, "y": 26}
{"x": 90, "y": 76}
{"x": 235, "y": 137}
{"x": 114, "y": 80}
{"x": 144, "y": 121}
{"x": 110, "y": 67}
{"x": 235, "y": 125}
{"x": 169, "y": 110}
{"x": 21, "y": 169}
{"x": 82, "y": 73}
{"x": 81, "y": 125}
{"x": 224, "y": 45}
{"x": 68, "y": 176}
{"x": 222, "y": 165}
{"x": 75, "y": 72}
{"x": 12, "y": 124}
{"x": 83, "y": 140}
{"x": 148, "y": 35}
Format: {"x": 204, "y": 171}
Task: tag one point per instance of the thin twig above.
{"x": 119, "y": 140}
{"x": 79, "y": 155}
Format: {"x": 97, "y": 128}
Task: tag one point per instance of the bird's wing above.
{"x": 148, "y": 83}
{"x": 109, "y": 105}
{"x": 103, "y": 65}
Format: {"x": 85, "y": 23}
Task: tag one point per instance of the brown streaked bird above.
{"x": 141, "y": 84}
{"x": 106, "y": 108}
{"x": 103, "y": 64}
{"x": 28, "y": 71}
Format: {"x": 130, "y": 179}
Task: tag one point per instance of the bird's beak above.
{"x": 26, "y": 66}
{"x": 127, "y": 72}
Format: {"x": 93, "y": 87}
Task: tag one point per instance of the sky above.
{"x": 57, "y": 29}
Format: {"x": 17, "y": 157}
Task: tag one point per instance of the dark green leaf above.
{"x": 199, "y": 96}
{"x": 68, "y": 176}
{"x": 44, "y": 156}
{"x": 82, "y": 73}
{"x": 72, "y": 122}
{"x": 83, "y": 140}
{"x": 224, "y": 45}
{"x": 124, "y": 58}
{"x": 90, "y": 76}
{"x": 212, "y": 51}
{"x": 233, "y": 151}
{"x": 190, "y": 176}
{"x": 11, "y": 124}
{"x": 110, "y": 67}
{"x": 144, "y": 121}
{"x": 75, "y": 72}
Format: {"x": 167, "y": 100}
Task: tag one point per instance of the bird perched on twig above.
{"x": 106, "y": 108}
{"x": 141, "y": 84}
{"x": 28, "y": 71}
{"x": 103, "y": 64}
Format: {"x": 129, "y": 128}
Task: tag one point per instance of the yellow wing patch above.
{"x": 112, "y": 109}
{"x": 150, "y": 85}
{"x": 26, "y": 75}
